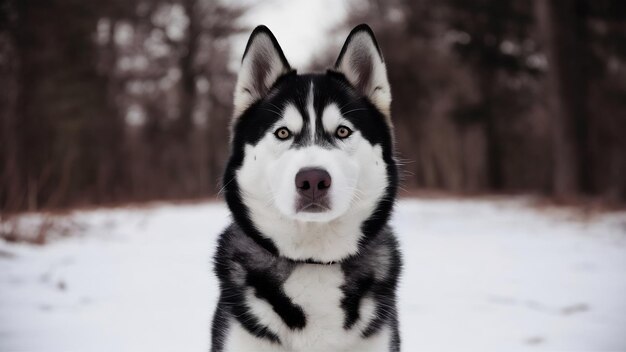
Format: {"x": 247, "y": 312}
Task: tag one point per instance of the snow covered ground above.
{"x": 480, "y": 275}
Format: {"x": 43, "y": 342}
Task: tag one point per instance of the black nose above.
{"x": 313, "y": 182}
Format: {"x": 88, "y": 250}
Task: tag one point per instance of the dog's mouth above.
{"x": 308, "y": 205}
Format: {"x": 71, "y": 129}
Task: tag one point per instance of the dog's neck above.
{"x": 323, "y": 242}
{"x": 257, "y": 257}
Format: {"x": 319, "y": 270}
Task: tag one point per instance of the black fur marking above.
{"x": 384, "y": 293}
{"x": 240, "y": 211}
{"x": 232, "y": 305}
{"x": 219, "y": 328}
{"x": 382, "y": 213}
{"x": 232, "y": 302}
{"x": 353, "y": 294}
{"x": 361, "y": 281}
{"x": 268, "y": 288}
{"x": 250, "y": 322}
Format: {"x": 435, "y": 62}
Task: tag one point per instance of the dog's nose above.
{"x": 313, "y": 182}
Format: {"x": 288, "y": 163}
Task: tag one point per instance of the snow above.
{"x": 480, "y": 275}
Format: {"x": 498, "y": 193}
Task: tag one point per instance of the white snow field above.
{"x": 479, "y": 275}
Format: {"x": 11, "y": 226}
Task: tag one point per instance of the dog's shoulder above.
{"x": 239, "y": 256}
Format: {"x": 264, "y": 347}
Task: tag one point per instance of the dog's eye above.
{"x": 282, "y": 133}
{"x": 343, "y": 132}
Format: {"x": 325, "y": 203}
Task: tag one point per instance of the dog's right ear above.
{"x": 262, "y": 64}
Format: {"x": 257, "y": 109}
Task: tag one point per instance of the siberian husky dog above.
{"x": 309, "y": 262}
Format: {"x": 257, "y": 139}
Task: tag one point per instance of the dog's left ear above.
{"x": 362, "y": 63}
{"x": 262, "y": 64}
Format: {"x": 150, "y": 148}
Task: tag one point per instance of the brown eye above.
{"x": 282, "y": 133}
{"x": 343, "y": 132}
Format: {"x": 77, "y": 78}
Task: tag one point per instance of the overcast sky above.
{"x": 301, "y": 26}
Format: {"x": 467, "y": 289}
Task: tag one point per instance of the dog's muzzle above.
{"x": 313, "y": 185}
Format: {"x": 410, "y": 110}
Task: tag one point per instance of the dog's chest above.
{"x": 317, "y": 290}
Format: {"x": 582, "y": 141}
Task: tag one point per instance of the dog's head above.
{"x": 311, "y": 174}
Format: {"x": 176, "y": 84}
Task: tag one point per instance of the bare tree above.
{"x": 565, "y": 38}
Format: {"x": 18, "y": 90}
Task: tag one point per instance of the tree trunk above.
{"x": 564, "y": 32}
{"x": 493, "y": 145}
{"x": 188, "y": 73}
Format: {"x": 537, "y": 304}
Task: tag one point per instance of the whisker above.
{"x": 272, "y": 111}
{"x": 350, "y": 102}
{"x": 223, "y": 188}
{"x": 353, "y": 110}
{"x": 277, "y": 107}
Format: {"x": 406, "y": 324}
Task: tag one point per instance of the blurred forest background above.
{"x": 105, "y": 102}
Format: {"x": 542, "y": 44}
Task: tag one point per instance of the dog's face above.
{"x": 310, "y": 149}
{"x": 310, "y": 157}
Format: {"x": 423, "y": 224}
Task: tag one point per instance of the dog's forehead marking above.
{"x": 311, "y": 111}
{"x": 292, "y": 117}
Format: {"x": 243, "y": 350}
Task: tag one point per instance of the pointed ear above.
{"x": 361, "y": 62}
{"x": 262, "y": 64}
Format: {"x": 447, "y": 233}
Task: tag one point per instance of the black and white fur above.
{"x": 292, "y": 278}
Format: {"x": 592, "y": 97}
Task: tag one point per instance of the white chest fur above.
{"x": 317, "y": 290}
